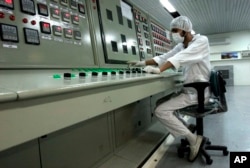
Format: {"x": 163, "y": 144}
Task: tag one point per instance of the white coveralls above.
{"x": 196, "y": 67}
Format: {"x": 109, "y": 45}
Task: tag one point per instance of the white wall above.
{"x": 241, "y": 70}
{"x": 238, "y": 41}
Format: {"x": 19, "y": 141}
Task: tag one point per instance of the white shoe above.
{"x": 194, "y": 149}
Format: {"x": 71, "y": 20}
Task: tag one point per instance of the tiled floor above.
{"x": 231, "y": 129}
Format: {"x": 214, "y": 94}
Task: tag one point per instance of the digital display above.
{"x": 57, "y": 30}
{"x": 75, "y": 19}
{"x": 81, "y": 8}
{"x": 66, "y": 16}
{"x": 7, "y": 3}
{"x": 31, "y": 36}
{"x": 68, "y": 33}
{"x": 8, "y": 33}
{"x": 45, "y": 27}
{"x": 43, "y": 9}
{"x": 28, "y": 6}
{"x": 55, "y": 13}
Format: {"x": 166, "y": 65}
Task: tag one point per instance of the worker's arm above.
{"x": 157, "y": 70}
{"x": 150, "y": 62}
{"x": 142, "y": 63}
{"x": 166, "y": 66}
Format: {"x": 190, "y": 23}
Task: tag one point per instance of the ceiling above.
{"x": 208, "y": 16}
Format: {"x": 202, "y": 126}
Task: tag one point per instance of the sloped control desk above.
{"x": 38, "y": 102}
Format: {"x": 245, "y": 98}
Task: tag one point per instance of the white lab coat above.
{"x": 196, "y": 67}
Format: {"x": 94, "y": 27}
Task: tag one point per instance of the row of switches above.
{"x": 84, "y": 74}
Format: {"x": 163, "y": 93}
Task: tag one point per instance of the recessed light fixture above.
{"x": 168, "y": 6}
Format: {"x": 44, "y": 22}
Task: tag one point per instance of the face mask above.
{"x": 177, "y": 38}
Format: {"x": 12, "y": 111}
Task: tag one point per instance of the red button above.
{"x": 12, "y": 17}
{"x": 33, "y": 22}
{"x": 25, "y": 20}
{"x": 1, "y": 15}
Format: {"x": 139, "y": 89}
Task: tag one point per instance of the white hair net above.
{"x": 181, "y": 22}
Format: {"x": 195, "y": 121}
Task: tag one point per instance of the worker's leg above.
{"x": 164, "y": 112}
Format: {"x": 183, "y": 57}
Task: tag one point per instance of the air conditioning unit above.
{"x": 219, "y": 41}
{"x": 245, "y": 54}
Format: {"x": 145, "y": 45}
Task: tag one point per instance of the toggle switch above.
{"x": 94, "y": 73}
{"x": 82, "y": 74}
{"x": 104, "y": 73}
{"x": 67, "y": 75}
{"x": 128, "y": 72}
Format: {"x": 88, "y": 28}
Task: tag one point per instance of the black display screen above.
{"x": 28, "y": 6}
{"x": 31, "y": 36}
{"x": 8, "y": 33}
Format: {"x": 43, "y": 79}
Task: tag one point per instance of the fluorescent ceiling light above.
{"x": 168, "y": 6}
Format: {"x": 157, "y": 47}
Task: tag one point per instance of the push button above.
{"x": 66, "y": 16}
{"x": 128, "y": 71}
{"x": 82, "y": 74}
{"x": 81, "y": 8}
{"x": 94, "y": 73}
{"x": 55, "y": 13}
{"x": 67, "y": 75}
{"x": 57, "y": 30}
{"x": 104, "y": 73}
{"x": 2, "y": 15}
{"x": 113, "y": 73}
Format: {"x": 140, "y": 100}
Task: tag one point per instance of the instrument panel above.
{"x": 45, "y": 34}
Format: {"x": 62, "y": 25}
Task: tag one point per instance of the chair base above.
{"x": 184, "y": 149}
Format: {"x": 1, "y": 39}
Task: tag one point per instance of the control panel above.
{"x": 45, "y": 34}
{"x": 37, "y": 83}
{"x": 161, "y": 41}
{"x": 143, "y": 34}
{"x": 118, "y": 31}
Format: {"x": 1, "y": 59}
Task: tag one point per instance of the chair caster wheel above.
{"x": 208, "y": 143}
{"x": 225, "y": 152}
{"x": 209, "y": 161}
{"x": 184, "y": 142}
{"x": 180, "y": 153}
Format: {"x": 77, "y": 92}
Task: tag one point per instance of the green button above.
{"x": 56, "y": 76}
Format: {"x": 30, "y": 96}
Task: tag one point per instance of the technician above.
{"x": 192, "y": 54}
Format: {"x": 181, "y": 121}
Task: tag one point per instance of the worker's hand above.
{"x": 136, "y": 63}
{"x": 150, "y": 69}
